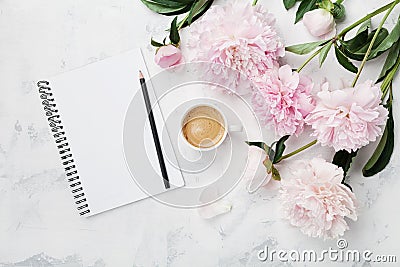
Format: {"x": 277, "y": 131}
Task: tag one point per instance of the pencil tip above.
{"x": 140, "y": 75}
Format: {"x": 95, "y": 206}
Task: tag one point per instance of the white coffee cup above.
{"x": 227, "y": 128}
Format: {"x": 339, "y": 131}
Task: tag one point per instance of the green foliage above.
{"x": 174, "y": 33}
{"x": 356, "y": 47}
{"x": 383, "y": 152}
{"x": 289, "y": 3}
{"x": 194, "y": 8}
{"x": 304, "y": 7}
{"x": 387, "y": 42}
{"x": 280, "y": 148}
{"x": 273, "y": 156}
{"x": 324, "y": 53}
{"x": 391, "y": 59}
{"x": 169, "y": 7}
{"x": 261, "y": 145}
{"x": 155, "y": 43}
{"x": 344, "y": 159}
{"x": 306, "y": 48}
{"x": 344, "y": 61}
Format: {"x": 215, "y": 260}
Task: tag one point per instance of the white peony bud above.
{"x": 319, "y": 22}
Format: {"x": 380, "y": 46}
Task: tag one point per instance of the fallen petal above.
{"x": 215, "y": 209}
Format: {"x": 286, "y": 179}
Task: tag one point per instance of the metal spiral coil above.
{"x": 63, "y": 148}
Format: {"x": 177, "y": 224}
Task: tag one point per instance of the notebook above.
{"x": 108, "y": 162}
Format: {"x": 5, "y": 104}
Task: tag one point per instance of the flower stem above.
{"x": 297, "y": 151}
{"x": 367, "y": 17}
{"x": 255, "y": 2}
{"x": 387, "y": 82}
{"x": 373, "y": 42}
{"x": 390, "y": 6}
{"x": 309, "y": 59}
{"x": 182, "y": 22}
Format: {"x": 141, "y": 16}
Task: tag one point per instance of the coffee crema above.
{"x": 203, "y": 127}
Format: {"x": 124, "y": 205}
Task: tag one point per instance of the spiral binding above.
{"x": 63, "y": 148}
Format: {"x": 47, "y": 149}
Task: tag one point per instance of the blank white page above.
{"x": 92, "y": 103}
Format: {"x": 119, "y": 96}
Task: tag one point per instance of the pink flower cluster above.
{"x": 345, "y": 119}
{"x": 239, "y": 37}
{"x": 241, "y": 45}
{"x": 315, "y": 200}
{"x": 282, "y": 98}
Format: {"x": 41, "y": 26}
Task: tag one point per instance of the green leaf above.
{"x": 351, "y": 189}
{"x": 391, "y": 59}
{"x": 174, "y": 34}
{"x": 280, "y": 148}
{"x": 360, "y": 39}
{"x": 198, "y": 7}
{"x": 324, "y": 53}
{"x": 196, "y": 14}
{"x": 365, "y": 26}
{"x": 275, "y": 174}
{"x": 167, "y": 8}
{"x": 189, "y": 2}
{"x": 167, "y": 3}
{"x": 343, "y": 159}
{"x": 261, "y": 145}
{"x": 387, "y": 83}
{"x": 382, "y": 35}
{"x": 155, "y": 43}
{"x": 303, "y": 49}
{"x": 289, "y": 4}
{"x": 381, "y": 157}
{"x": 388, "y": 42}
{"x": 305, "y": 6}
{"x": 344, "y": 61}
{"x": 268, "y": 164}
{"x": 358, "y": 53}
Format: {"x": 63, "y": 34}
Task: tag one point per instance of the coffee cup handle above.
{"x": 235, "y": 128}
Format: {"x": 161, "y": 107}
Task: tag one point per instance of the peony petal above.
{"x": 239, "y": 36}
{"x": 168, "y": 56}
{"x": 212, "y": 210}
{"x": 348, "y": 118}
{"x": 314, "y": 199}
{"x": 283, "y": 99}
{"x": 319, "y": 22}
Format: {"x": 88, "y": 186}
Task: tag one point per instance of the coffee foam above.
{"x": 203, "y": 127}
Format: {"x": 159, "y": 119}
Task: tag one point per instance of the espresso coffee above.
{"x": 203, "y": 127}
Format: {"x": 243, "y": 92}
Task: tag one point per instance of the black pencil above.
{"x": 154, "y": 130}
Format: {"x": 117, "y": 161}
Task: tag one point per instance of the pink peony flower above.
{"x": 319, "y": 22}
{"x": 240, "y": 37}
{"x": 283, "y": 98}
{"x": 314, "y": 199}
{"x": 168, "y": 56}
{"x": 348, "y": 118}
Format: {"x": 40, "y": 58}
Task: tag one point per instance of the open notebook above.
{"x": 87, "y": 110}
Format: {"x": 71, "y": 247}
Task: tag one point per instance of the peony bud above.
{"x": 339, "y": 11}
{"x": 168, "y": 56}
{"x": 319, "y": 22}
